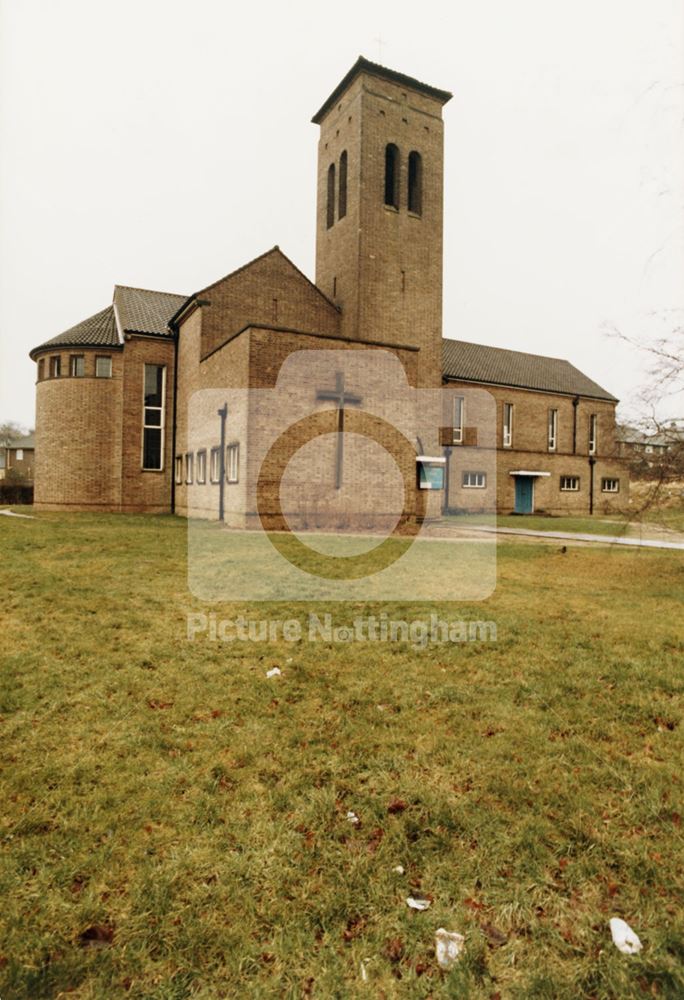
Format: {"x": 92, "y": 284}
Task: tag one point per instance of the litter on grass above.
{"x": 448, "y": 947}
{"x": 399, "y": 869}
{"x": 353, "y": 818}
{"x": 624, "y": 938}
{"x": 274, "y": 672}
{"x": 418, "y": 902}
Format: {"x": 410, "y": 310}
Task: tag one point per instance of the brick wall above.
{"x": 530, "y": 451}
{"x": 78, "y": 435}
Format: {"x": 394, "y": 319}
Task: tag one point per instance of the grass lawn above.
{"x": 175, "y": 822}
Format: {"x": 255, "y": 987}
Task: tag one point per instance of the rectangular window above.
{"x": 201, "y": 466}
{"x": 215, "y": 465}
{"x": 189, "y": 467}
{"x": 179, "y": 469}
{"x": 77, "y": 366}
{"x": 507, "y": 425}
{"x": 232, "y": 456}
{"x": 55, "y": 366}
{"x": 474, "y": 480}
{"x": 553, "y": 429}
{"x": 459, "y": 412}
{"x": 610, "y": 486}
{"x": 41, "y": 369}
{"x": 593, "y": 434}
{"x": 569, "y": 483}
{"x": 154, "y": 382}
{"x": 20, "y": 455}
{"x": 103, "y": 367}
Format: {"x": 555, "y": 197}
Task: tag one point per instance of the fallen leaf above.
{"x": 494, "y": 936}
{"x": 397, "y": 806}
{"x": 473, "y": 904}
{"x": 394, "y": 949}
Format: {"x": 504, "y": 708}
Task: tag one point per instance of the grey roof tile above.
{"x": 498, "y": 366}
{"x": 97, "y": 330}
{"x": 144, "y": 311}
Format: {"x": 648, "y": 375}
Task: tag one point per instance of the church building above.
{"x": 160, "y": 402}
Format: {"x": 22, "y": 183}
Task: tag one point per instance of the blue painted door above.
{"x": 524, "y": 492}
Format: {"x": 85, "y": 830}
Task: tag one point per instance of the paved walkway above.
{"x": 575, "y": 536}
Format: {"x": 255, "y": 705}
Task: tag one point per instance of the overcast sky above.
{"x": 162, "y": 143}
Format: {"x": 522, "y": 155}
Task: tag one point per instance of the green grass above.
{"x": 170, "y": 794}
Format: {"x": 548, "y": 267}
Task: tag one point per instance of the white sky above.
{"x": 162, "y": 143}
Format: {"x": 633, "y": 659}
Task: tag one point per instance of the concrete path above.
{"x": 10, "y": 513}
{"x": 575, "y": 536}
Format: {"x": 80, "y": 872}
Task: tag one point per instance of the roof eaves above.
{"x": 363, "y": 65}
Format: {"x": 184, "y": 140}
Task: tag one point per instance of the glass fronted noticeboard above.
{"x": 430, "y": 472}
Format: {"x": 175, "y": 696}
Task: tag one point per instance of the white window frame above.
{"x": 178, "y": 469}
{"x": 474, "y": 480}
{"x": 156, "y": 427}
{"x": 73, "y": 365}
{"x": 108, "y": 359}
{"x": 458, "y": 419}
{"x": 201, "y": 477}
{"x": 233, "y": 462}
{"x": 19, "y": 455}
{"x": 553, "y": 429}
{"x": 569, "y": 484}
{"x": 55, "y": 366}
{"x": 189, "y": 467}
{"x": 610, "y": 485}
{"x": 593, "y": 433}
{"x": 215, "y": 465}
{"x": 507, "y": 425}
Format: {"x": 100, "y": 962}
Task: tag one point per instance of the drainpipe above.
{"x": 447, "y": 455}
{"x": 175, "y": 409}
{"x": 223, "y": 413}
{"x": 575, "y": 404}
{"x": 592, "y": 463}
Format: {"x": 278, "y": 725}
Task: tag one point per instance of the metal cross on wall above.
{"x": 341, "y": 398}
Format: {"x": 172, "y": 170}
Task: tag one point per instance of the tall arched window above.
{"x": 342, "y": 194}
{"x": 392, "y": 175}
{"x": 331, "y": 195}
{"x": 415, "y": 183}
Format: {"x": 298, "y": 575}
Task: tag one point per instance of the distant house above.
{"x": 633, "y": 443}
{"x": 17, "y": 458}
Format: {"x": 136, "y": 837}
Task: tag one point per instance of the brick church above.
{"x": 164, "y": 402}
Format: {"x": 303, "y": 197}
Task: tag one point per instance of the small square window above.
{"x": 474, "y": 480}
{"x": 569, "y": 483}
{"x": 77, "y": 366}
{"x": 610, "y": 485}
{"x": 103, "y": 367}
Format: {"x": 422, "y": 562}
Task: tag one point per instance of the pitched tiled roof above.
{"x": 139, "y": 311}
{"x": 497, "y": 366}
{"x": 28, "y": 441}
{"x": 143, "y": 311}
{"x": 97, "y": 330}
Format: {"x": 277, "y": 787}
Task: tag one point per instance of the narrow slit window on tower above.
{"x": 392, "y": 175}
{"x": 342, "y": 193}
{"x": 331, "y": 196}
{"x": 415, "y": 183}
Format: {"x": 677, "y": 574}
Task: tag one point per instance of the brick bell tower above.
{"x": 380, "y": 206}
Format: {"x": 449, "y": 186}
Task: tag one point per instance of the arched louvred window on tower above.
{"x": 415, "y": 183}
{"x": 342, "y": 183}
{"x": 392, "y": 175}
{"x": 330, "y": 218}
